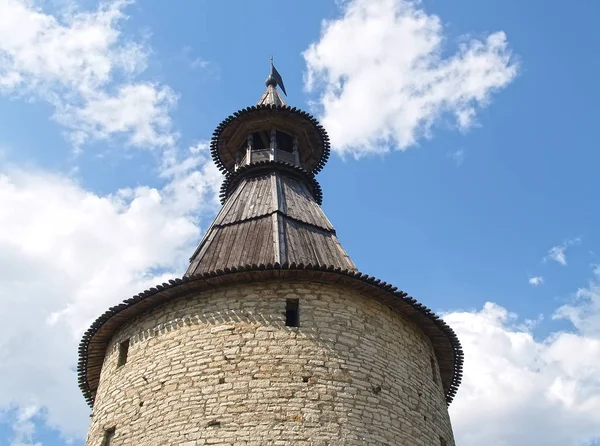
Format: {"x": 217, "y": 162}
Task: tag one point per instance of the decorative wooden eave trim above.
{"x": 260, "y": 167}
{"x": 94, "y": 343}
{"x": 246, "y": 112}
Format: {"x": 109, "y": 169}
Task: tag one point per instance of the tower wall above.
{"x": 221, "y": 368}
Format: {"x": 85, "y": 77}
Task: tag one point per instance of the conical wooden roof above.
{"x": 271, "y": 97}
{"x": 271, "y": 110}
{"x": 270, "y": 217}
{"x": 271, "y": 214}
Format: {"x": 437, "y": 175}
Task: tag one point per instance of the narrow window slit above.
{"x": 123, "y": 352}
{"x": 291, "y": 313}
{"x": 443, "y": 441}
{"x": 108, "y": 436}
{"x": 434, "y": 370}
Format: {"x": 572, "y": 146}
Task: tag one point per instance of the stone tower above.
{"x": 272, "y": 336}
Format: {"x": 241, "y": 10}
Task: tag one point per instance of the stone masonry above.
{"x": 222, "y": 368}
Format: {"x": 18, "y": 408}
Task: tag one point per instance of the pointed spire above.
{"x": 271, "y": 96}
{"x": 275, "y": 78}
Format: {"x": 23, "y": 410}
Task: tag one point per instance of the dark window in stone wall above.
{"x": 292, "y": 317}
{"x": 108, "y": 436}
{"x": 434, "y": 370}
{"x": 443, "y": 442}
{"x": 123, "y": 352}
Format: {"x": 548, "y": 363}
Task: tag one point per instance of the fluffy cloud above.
{"x": 521, "y": 390}
{"x": 584, "y": 312}
{"x": 67, "y": 254}
{"x": 458, "y": 157}
{"x": 382, "y": 80}
{"x": 536, "y": 280}
{"x": 24, "y": 427}
{"x": 85, "y": 68}
{"x": 141, "y": 110}
{"x": 558, "y": 253}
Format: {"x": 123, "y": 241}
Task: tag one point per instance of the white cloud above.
{"x": 458, "y": 157}
{"x": 82, "y": 64}
{"x": 584, "y": 312}
{"x": 536, "y": 280}
{"x": 383, "y": 82}
{"x": 142, "y": 110}
{"x": 24, "y": 427}
{"x": 193, "y": 61}
{"x": 67, "y": 254}
{"x": 521, "y": 390}
{"x": 558, "y": 253}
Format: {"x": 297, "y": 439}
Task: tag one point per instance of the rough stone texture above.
{"x": 221, "y": 368}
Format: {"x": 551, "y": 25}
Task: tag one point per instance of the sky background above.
{"x": 464, "y": 172}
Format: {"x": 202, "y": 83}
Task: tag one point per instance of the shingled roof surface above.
{"x": 269, "y": 218}
{"x": 233, "y": 131}
{"x": 271, "y": 97}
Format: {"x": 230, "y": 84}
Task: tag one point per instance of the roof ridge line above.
{"x": 268, "y": 214}
{"x": 276, "y": 200}
{"x": 248, "y": 170}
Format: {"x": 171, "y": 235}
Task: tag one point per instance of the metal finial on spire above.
{"x": 275, "y": 79}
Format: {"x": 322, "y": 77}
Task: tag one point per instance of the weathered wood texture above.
{"x": 270, "y": 218}
{"x": 232, "y": 133}
{"x": 271, "y": 97}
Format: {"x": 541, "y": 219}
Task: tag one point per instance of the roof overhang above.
{"x": 96, "y": 339}
{"x": 232, "y": 132}
{"x": 260, "y": 167}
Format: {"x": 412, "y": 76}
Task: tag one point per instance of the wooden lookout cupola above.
{"x": 271, "y": 130}
{"x": 271, "y": 211}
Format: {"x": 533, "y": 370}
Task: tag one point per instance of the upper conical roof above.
{"x": 270, "y": 112}
{"x": 271, "y": 97}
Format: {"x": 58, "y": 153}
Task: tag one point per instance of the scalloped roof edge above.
{"x": 244, "y": 111}
{"x": 458, "y": 355}
{"x": 250, "y": 169}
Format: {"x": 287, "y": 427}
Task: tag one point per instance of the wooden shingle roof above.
{"x": 270, "y": 217}
{"x": 232, "y": 132}
{"x": 271, "y": 97}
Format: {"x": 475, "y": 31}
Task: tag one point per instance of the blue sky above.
{"x": 491, "y": 220}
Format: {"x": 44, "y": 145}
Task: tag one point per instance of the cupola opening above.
{"x": 285, "y": 142}
{"x": 268, "y": 145}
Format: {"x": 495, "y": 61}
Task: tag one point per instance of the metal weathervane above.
{"x": 275, "y": 76}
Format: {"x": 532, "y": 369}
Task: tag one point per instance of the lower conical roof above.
{"x": 271, "y": 217}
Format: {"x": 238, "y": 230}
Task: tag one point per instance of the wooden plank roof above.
{"x": 269, "y": 218}
{"x": 271, "y": 97}
{"x": 232, "y": 132}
